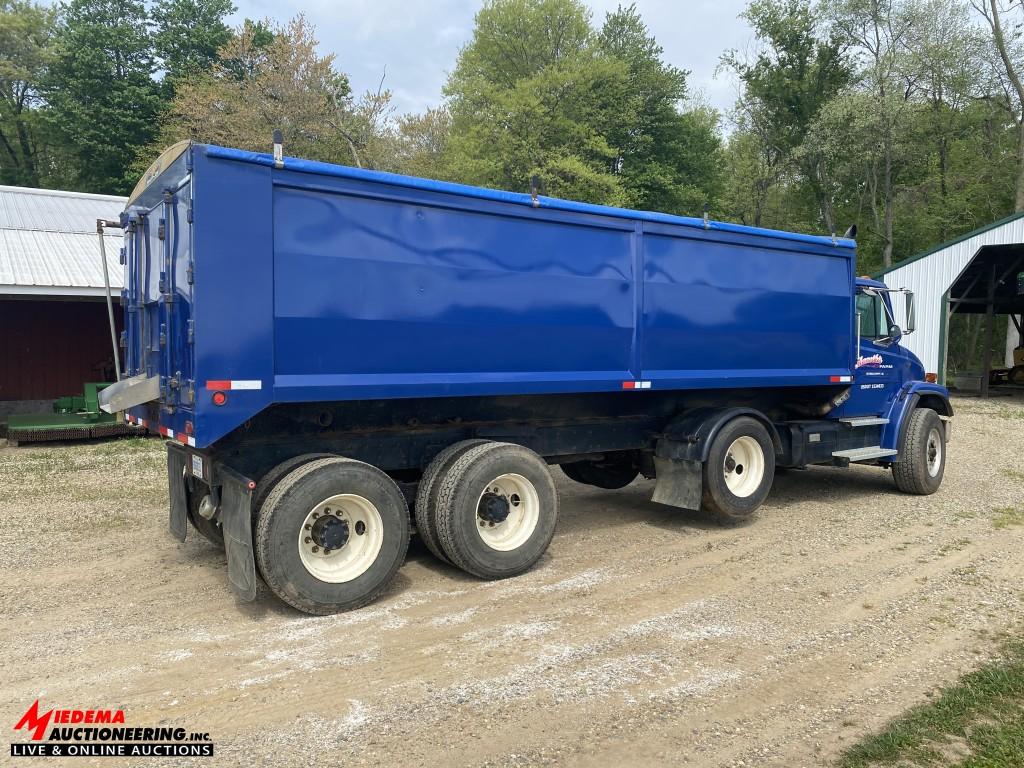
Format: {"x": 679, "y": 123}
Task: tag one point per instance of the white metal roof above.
{"x": 49, "y": 246}
{"x": 930, "y": 275}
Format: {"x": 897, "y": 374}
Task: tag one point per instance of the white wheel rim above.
{"x": 743, "y": 466}
{"x": 933, "y": 452}
{"x": 523, "y": 505}
{"x": 365, "y": 536}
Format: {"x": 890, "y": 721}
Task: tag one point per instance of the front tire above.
{"x": 496, "y": 510}
{"x": 922, "y": 459}
{"x": 739, "y": 471}
{"x": 331, "y": 535}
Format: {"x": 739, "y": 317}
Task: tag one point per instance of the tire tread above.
{"x": 910, "y": 473}
{"x": 262, "y": 538}
{"x": 425, "y": 508}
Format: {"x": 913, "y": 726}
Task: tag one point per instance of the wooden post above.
{"x": 986, "y": 365}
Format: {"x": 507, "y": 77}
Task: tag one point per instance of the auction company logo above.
{"x": 102, "y": 733}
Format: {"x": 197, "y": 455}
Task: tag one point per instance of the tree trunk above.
{"x": 1019, "y": 203}
{"x": 889, "y": 209}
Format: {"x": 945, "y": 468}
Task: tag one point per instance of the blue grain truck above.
{"x": 326, "y": 348}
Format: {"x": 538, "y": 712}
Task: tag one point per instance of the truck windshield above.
{"x": 872, "y": 315}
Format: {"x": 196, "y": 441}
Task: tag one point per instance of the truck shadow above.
{"x": 584, "y": 507}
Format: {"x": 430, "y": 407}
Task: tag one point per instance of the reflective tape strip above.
{"x": 840, "y": 379}
{"x": 636, "y": 385}
{"x": 221, "y": 384}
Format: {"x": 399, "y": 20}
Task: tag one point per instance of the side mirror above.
{"x": 910, "y": 320}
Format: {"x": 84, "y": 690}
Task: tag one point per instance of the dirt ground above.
{"x": 646, "y": 636}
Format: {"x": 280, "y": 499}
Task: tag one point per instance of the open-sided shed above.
{"x": 976, "y": 273}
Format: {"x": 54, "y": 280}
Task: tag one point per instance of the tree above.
{"x": 26, "y": 33}
{"x": 670, "y": 160}
{"x": 595, "y": 114}
{"x": 798, "y": 69}
{"x": 530, "y": 94}
{"x": 1009, "y": 71}
{"x": 101, "y": 97}
{"x": 269, "y": 77}
{"x": 188, "y": 34}
{"x": 422, "y": 144}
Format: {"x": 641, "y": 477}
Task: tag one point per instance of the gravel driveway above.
{"x": 646, "y": 636}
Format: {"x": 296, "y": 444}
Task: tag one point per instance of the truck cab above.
{"x": 888, "y": 380}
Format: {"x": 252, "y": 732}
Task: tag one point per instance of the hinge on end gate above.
{"x": 163, "y": 334}
{"x": 191, "y": 331}
{"x": 121, "y": 257}
{"x": 188, "y": 213}
{"x": 188, "y": 274}
{"x": 161, "y": 230}
{"x": 188, "y": 394}
{"x": 162, "y": 285}
{"x": 124, "y": 340}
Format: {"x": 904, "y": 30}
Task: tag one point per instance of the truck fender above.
{"x": 683, "y": 447}
{"x": 918, "y": 395}
{"x": 689, "y": 435}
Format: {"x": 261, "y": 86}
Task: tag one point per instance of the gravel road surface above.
{"x": 646, "y": 636}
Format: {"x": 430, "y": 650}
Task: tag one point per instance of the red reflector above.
{"x": 218, "y": 384}
{"x": 931, "y": 377}
{"x": 629, "y": 385}
{"x": 188, "y": 427}
{"x": 252, "y": 484}
{"x": 834, "y": 378}
{"x": 219, "y": 398}
{"x": 182, "y": 437}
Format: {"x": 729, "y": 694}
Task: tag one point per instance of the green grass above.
{"x": 976, "y": 723}
{"x": 1007, "y": 516}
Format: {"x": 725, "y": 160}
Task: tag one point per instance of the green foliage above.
{"x": 594, "y": 114}
{"x": 26, "y": 33}
{"x": 102, "y": 99}
{"x": 270, "y": 76}
{"x": 785, "y": 86}
{"x": 188, "y": 34}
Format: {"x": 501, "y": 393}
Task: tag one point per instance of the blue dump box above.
{"x": 315, "y": 337}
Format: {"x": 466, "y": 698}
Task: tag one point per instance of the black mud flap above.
{"x": 236, "y": 521}
{"x": 178, "y": 522}
{"x": 680, "y": 483}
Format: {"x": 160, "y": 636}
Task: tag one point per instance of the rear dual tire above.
{"x": 331, "y": 535}
{"x": 496, "y": 510}
{"x": 425, "y": 508}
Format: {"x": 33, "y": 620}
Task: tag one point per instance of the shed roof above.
{"x": 48, "y": 243}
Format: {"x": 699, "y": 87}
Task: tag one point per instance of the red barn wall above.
{"x": 49, "y": 347}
